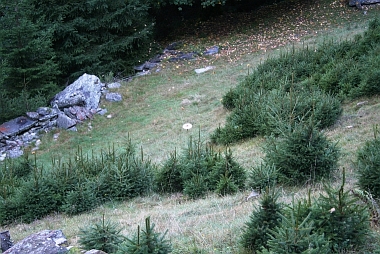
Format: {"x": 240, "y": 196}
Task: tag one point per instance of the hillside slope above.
{"x": 156, "y": 106}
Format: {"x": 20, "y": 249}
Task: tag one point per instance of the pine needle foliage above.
{"x": 261, "y": 221}
{"x": 263, "y": 176}
{"x": 296, "y": 233}
{"x": 302, "y": 155}
{"x": 343, "y": 221}
{"x": 74, "y": 186}
{"x": 200, "y": 169}
{"x": 146, "y": 242}
{"x": 104, "y": 236}
{"x": 261, "y": 111}
{"x": 368, "y": 164}
{"x": 277, "y": 93}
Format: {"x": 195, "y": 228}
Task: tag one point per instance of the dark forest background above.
{"x": 45, "y": 45}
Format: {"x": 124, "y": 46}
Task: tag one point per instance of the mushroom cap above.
{"x": 187, "y": 126}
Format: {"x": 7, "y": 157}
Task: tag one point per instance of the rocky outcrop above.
{"x": 75, "y": 104}
{"x": 44, "y": 242}
{"x": 359, "y": 3}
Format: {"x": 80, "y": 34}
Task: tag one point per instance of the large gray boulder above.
{"x": 85, "y": 91}
{"x": 44, "y": 242}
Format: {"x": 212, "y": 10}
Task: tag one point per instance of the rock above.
{"x": 113, "y": 85}
{"x": 359, "y": 3}
{"x": 5, "y": 241}
{"x": 33, "y": 115}
{"x": 85, "y": 91}
{"x": 212, "y": 51}
{"x": 65, "y": 122}
{"x": 95, "y": 252}
{"x": 16, "y": 126}
{"x": 44, "y": 242}
{"x": 183, "y": 56}
{"x": 204, "y": 69}
{"x": 145, "y": 66}
{"x": 113, "y": 97}
{"x": 174, "y": 46}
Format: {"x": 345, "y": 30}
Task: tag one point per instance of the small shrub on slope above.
{"x": 261, "y": 221}
{"x": 302, "y": 155}
{"x": 368, "y": 165}
{"x": 341, "y": 219}
{"x": 146, "y": 241}
{"x": 198, "y": 170}
{"x": 263, "y": 176}
{"x": 103, "y": 236}
{"x": 296, "y": 233}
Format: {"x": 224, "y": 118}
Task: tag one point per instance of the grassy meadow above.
{"x": 155, "y": 107}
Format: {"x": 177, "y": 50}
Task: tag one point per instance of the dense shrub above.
{"x": 80, "y": 200}
{"x": 298, "y": 85}
{"x": 74, "y": 186}
{"x": 168, "y": 178}
{"x": 368, "y": 164}
{"x": 261, "y": 221}
{"x": 198, "y": 170}
{"x": 274, "y": 111}
{"x": 302, "y": 155}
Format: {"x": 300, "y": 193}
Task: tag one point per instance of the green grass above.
{"x": 152, "y": 114}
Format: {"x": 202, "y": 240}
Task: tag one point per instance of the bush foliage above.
{"x": 368, "y": 164}
{"x": 262, "y": 220}
{"x": 303, "y": 84}
{"x": 200, "y": 169}
{"x": 146, "y": 241}
{"x": 334, "y": 222}
{"x": 302, "y": 155}
{"x": 104, "y": 236}
{"x": 31, "y": 192}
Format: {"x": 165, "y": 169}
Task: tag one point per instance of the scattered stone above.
{"x": 113, "y": 97}
{"x": 204, "y": 69}
{"x": 183, "y": 56}
{"x": 95, "y": 252}
{"x": 44, "y": 242}
{"x": 253, "y": 194}
{"x": 65, "y": 122}
{"x": 5, "y": 241}
{"x": 114, "y": 85}
{"x": 56, "y": 136}
{"x": 102, "y": 112}
{"x": 211, "y": 51}
{"x": 361, "y": 103}
{"x": 186, "y": 102}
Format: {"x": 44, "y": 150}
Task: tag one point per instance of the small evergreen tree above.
{"x": 296, "y": 233}
{"x": 341, "y": 219}
{"x": 168, "y": 179}
{"x": 263, "y": 176}
{"x": 302, "y": 155}
{"x": 146, "y": 242}
{"x": 368, "y": 164}
{"x": 103, "y": 236}
{"x": 262, "y": 220}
